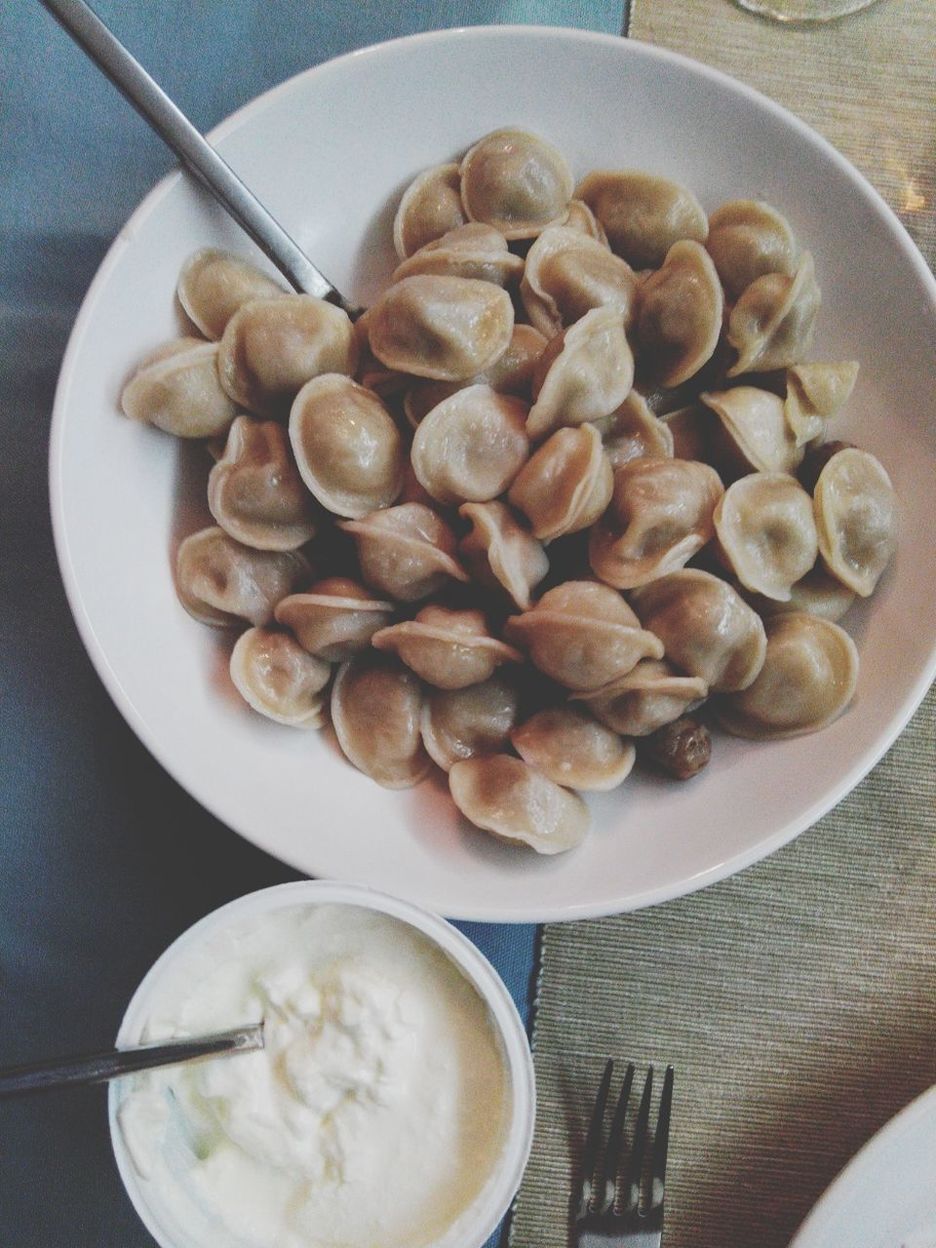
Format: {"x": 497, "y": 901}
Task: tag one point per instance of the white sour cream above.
{"x": 373, "y": 1117}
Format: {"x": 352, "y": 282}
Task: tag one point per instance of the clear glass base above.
{"x": 803, "y": 11}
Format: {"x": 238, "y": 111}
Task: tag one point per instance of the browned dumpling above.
{"x": 515, "y": 181}
{"x": 255, "y": 492}
{"x": 214, "y": 284}
{"x": 376, "y": 705}
{"x": 856, "y": 516}
{"x": 661, "y": 514}
{"x": 347, "y": 447}
{"x": 767, "y": 533}
{"x": 567, "y": 273}
{"x": 679, "y": 315}
{"x": 643, "y": 215}
{"x": 272, "y": 347}
{"x": 506, "y": 797}
{"x": 807, "y": 680}
{"x": 430, "y": 207}
{"x": 748, "y": 239}
{"x": 447, "y": 328}
{"x": 753, "y": 434}
{"x": 501, "y": 554}
{"x": 705, "y": 626}
{"x": 471, "y": 445}
{"x": 335, "y": 619}
{"x": 815, "y": 393}
{"x": 817, "y": 593}
{"x": 584, "y": 374}
{"x": 406, "y": 552}
{"x": 279, "y": 679}
{"x": 583, "y": 635}
{"x": 178, "y": 390}
{"x": 221, "y": 582}
{"x": 448, "y": 649}
{"x": 771, "y": 324}
{"x": 465, "y": 723}
{"x": 566, "y": 485}
{"x": 632, "y": 431}
{"x": 472, "y": 250}
{"x": 569, "y": 746}
{"x": 646, "y": 698}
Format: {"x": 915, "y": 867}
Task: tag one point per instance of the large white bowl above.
{"x": 330, "y": 152}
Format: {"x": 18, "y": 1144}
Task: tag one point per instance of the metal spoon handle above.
{"x": 99, "y": 1067}
{"x": 149, "y": 99}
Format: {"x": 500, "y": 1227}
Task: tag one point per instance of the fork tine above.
{"x": 592, "y": 1146}
{"x": 616, "y": 1140}
{"x": 661, "y": 1141}
{"x": 638, "y": 1151}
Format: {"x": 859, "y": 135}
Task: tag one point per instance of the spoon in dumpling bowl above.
{"x": 195, "y": 152}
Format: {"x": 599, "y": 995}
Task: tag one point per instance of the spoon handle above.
{"x": 99, "y": 1067}
{"x": 196, "y": 153}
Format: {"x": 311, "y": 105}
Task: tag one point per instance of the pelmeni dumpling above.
{"x": 752, "y": 431}
{"x": 214, "y": 284}
{"x": 569, "y": 746}
{"x": 406, "y": 552}
{"x": 567, "y": 273}
{"x": 582, "y": 635}
{"x": 815, "y": 393}
{"x": 566, "y": 485}
{"x": 376, "y": 705}
{"x": 272, "y": 347}
{"x": 515, "y": 181}
{"x": 771, "y": 324}
{"x": 807, "y": 680}
{"x": 643, "y": 215}
{"x": 447, "y": 328}
{"x": 856, "y": 517}
{"x": 679, "y": 315}
{"x": 279, "y": 679}
{"x": 347, "y": 447}
{"x": 644, "y": 699}
{"x": 705, "y": 626}
{"x": 767, "y": 533}
{"x": 335, "y": 619}
{"x": 632, "y": 431}
{"x": 448, "y": 649}
{"x": 501, "y": 554}
{"x": 222, "y": 583}
{"x": 430, "y": 207}
{"x": 690, "y": 430}
{"x": 748, "y": 239}
{"x": 472, "y": 250}
{"x": 471, "y": 446}
{"x": 584, "y": 374}
{"x": 817, "y": 593}
{"x": 255, "y": 492}
{"x": 581, "y": 219}
{"x": 464, "y": 723}
{"x": 661, "y": 514}
{"x": 505, "y": 796}
{"x": 178, "y": 390}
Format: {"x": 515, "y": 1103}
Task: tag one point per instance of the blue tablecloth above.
{"x": 103, "y": 859}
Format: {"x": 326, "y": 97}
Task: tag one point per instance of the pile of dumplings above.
{"x": 567, "y": 480}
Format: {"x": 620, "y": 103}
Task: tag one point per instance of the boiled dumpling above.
{"x": 581, "y": 219}
{"x": 815, "y": 393}
{"x": 178, "y": 390}
{"x": 501, "y": 554}
{"x": 515, "y": 181}
{"x": 505, "y": 796}
{"x": 767, "y": 533}
{"x": 817, "y": 593}
{"x": 643, "y": 215}
{"x": 214, "y": 284}
{"x": 569, "y": 746}
{"x": 644, "y": 699}
{"x": 752, "y": 431}
{"x": 856, "y": 516}
{"x": 472, "y": 250}
{"x": 448, "y": 649}
{"x": 463, "y": 723}
{"x": 406, "y": 552}
{"x": 679, "y": 315}
{"x": 632, "y": 431}
{"x": 430, "y": 207}
{"x": 771, "y": 324}
{"x": 567, "y": 273}
{"x": 221, "y": 582}
{"x": 566, "y": 485}
{"x": 279, "y": 679}
{"x": 376, "y": 706}
{"x": 335, "y": 619}
{"x": 748, "y": 239}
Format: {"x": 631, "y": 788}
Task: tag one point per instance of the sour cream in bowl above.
{"x": 392, "y": 1104}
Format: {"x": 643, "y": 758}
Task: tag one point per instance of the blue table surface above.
{"x": 105, "y": 860}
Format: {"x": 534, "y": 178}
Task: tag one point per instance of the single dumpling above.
{"x": 465, "y": 723}
{"x": 501, "y": 554}
{"x": 581, "y": 219}
{"x": 430, "y": 207}
{"x": 515, "y": 181}
{"x": 646, "y": 698}
{"x": 748, "y": 239}
{"x": 816, "y": 393}
{"x": 178, "y": 390}
{"x": 752, "y": 433}
{"x": 447, "y": 328}
{"x": 569, "y": 746}
{"x": 771, "y": 325}
{"x": 214, "y": 284}
{"x": 567, "y": 273}
{"x": 817, "y": 593}
{"x": 275, "y": 676}
{"x": 766, "y": 533}
{"x": 406, "y": 552}
{"x": 348, "y": 450}
{"x": 505, "y": 796}
{"x": 472, "y": 250}
{"x": 566, "y": 485}
{"x": 679, "y": 315}
{"x": 582, "y": 635}
{"x": 255, "y": 491}
{"x": 707, "y": 629}
{"x": 335, "y": 619}
{"x": 376, "y": 706}
{"x": 661, "y": 514}
{"x": 633, "y": 431}
{"x": 643, "y": 215}
{"x": 807, "y": 680}
{"x": 223, "y": 583}
{"x": 856, "y": 516}
{"x": 448, "y": 649}
{"x": 272, "y": 347}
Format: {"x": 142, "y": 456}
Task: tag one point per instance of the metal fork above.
{"x": 620, "y": 1201}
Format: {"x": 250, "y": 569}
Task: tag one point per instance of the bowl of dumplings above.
{"x": 589, "y": 564}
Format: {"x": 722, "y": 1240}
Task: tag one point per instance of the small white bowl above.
{"x": 481, "y": 1218}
